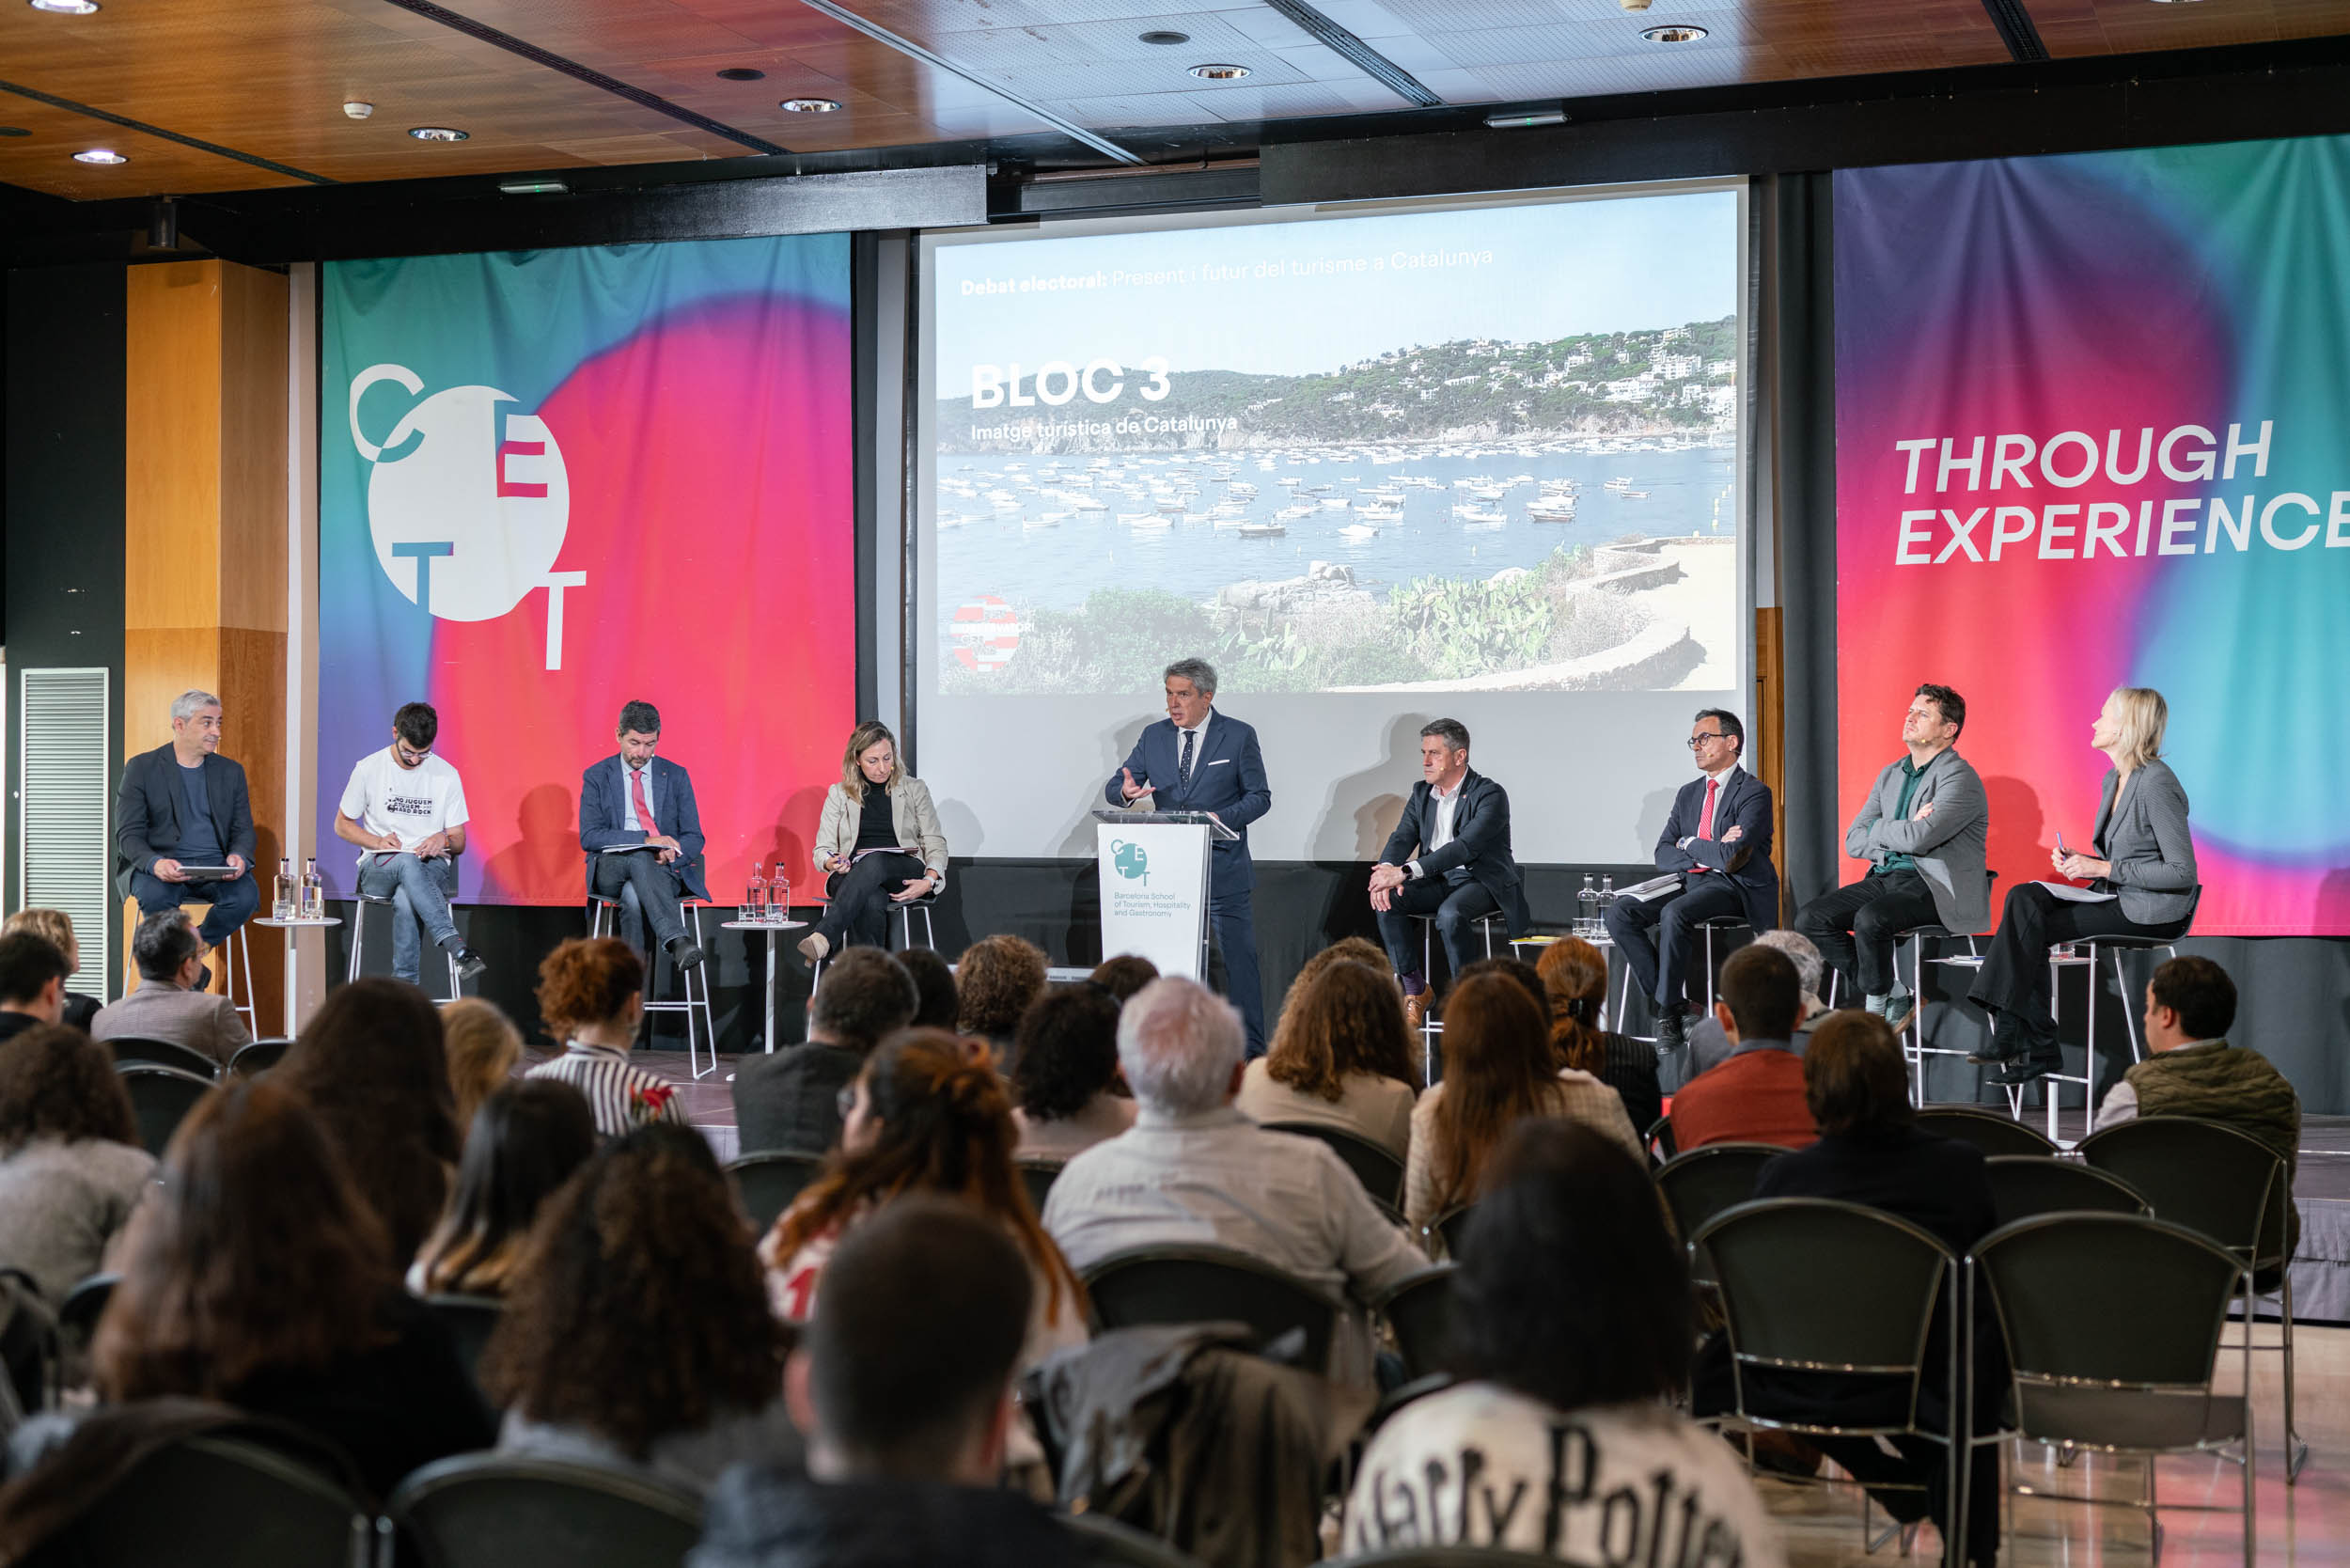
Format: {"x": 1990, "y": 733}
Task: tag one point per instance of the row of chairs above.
{"x": 164, "y": 1081}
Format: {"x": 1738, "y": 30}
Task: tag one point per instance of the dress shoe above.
{"x": 470, "y": 964}
{"x": 2024, "y": 1071}
{"x": 683, "y": 952}
{"x": 2007, "y": 1043}
{"x": 815, "y": 946}
{"x": 1416, "y": 1009}
{"x": 1672, "y": 1030}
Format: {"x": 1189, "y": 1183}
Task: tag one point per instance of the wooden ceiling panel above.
{"x": 43, "y": 161}
{"x": 2075, "y": 27}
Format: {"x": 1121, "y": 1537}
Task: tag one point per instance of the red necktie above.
{"x": 644, "y": 807}
{"x": 1705, "y": 823}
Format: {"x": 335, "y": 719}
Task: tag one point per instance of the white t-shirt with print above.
{"x": 414, "y": 802}
{"x": 1613, "y": 1486}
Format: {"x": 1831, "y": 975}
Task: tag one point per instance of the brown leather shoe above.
{"x": 1416, "y": 1009}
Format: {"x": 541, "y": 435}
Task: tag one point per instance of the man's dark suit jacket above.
{"x": 1743, "y": 803}
{"x": 1226, "y": 777}
{"x": 147, "y": 813}
{"x": 791, "y": 1100}
{"x": 1479, "y": 843}
{"x": 603, "y": 816}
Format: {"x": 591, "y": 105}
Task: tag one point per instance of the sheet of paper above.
{"x": 2071, "y": 894}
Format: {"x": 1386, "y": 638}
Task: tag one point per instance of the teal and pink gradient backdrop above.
{"x": 2107, "y": 292}
{"x": 700, "y": 394}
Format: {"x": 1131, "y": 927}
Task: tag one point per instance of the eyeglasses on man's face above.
{"x": 1702, "y": 737}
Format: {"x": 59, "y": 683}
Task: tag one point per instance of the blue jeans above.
{"x": 419, "y": 891}
{"x": 233, "y": 903}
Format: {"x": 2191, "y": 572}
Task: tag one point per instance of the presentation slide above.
{"x": 1472, "y": 461}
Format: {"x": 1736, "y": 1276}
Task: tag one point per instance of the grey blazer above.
{"x": 201, "y": 1020}
{"x": 2145, "y": 840}
{"x": 1948, "y": 846}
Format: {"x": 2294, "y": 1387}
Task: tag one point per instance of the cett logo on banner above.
{"x": 467, "y": 503}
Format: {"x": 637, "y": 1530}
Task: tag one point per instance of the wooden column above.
{"x": 205, "y": 536}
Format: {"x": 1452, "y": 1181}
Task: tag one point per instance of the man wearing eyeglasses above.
{"x": 405, "y": 808}
{"x": 1717, "y": 841}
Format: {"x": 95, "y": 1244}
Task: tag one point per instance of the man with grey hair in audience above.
{"x": 167, "y": 1006}
{"x": 1710, "y": 1044}
{"x": 1195, "y": 1171}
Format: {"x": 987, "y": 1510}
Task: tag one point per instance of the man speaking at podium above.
{"x": 1198, "y": 760}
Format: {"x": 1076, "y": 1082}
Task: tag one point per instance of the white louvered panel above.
{"x": 66, "y": 860}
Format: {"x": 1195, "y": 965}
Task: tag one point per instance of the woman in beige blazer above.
{"x": 877, "y": 843}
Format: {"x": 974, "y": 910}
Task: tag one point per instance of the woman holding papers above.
{"x": 877, "y": 843}
{"x": 2141, "y": 883}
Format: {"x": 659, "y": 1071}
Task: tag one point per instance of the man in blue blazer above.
{"x": 644, "y": 804}
{"x": 1198, "y": 760}
{"x": 1718, "y": 838}
{"x": 1449, "y": 857}
{"x": 184, "y": 804}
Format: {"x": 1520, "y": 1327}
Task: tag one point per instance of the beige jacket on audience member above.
{"x": 201, "y": 1020}
{"x": 1371, "y": 1108}
{"x": 1580, "y": 1098}
{"x": 910, "y": 812}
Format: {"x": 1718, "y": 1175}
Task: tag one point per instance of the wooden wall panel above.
{"x": 171, "y": 448}
{"x": 253, "y": 451}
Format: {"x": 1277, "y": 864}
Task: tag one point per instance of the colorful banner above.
{"x": 2094, "y": 428}
{"x": 554, "y": 481}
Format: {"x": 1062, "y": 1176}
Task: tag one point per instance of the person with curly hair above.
{"x": 483, "y": 1045}
{"x": 525, "y": 1142}
{"x": 372, "y": 1064}
{"x": 998, "y": 977}
{"x": 1341, "y": 1058}
{"x": 636, "y": 1329}
{"x": 1575, "y": 985}
{"x": 1062, "y": 1073}
{"x": 72, "y": 1170}
{"x": 256, "y": 1275}
{"x": 1346, "y": 950}
{"x": 592, "y": 995}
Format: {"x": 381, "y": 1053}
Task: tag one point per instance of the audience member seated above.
{"x": 635, "y": 1331}
{"x": 1125, "y": 975}
{"x": 483, "y": 1046}
{"x": 525, "y": 1143}
{"x": 1346, "y": 950}
{"x": 996, "y": 979}
{"x": 1498, "y": 1068}
{"x": 903, "y": 1383}
{"x": 1195, "y": 1171}
{"x": 170, "y": 1004}
{"x": 72, "y": 1170}
{"x": 1563, "y": 1411}
{"x": 1709, "y": 1042}
{"x": 1065, "y": 1063}
{"x": 1574, "y": 988}
{"x": 935, "y": 984}
{"x": 1757, "y": 1096}
{"x": 2191, "y": 1070}
{"x": 1871, "y": 1152}
{"x": 922, "y": 1116}
{"x": 31, "y": 983}
{"x": 792, "y": 1099}
{"x": 1524, "y": 974}
{"x": 592, "y": 998}
{"x": 56, "y": 925}
{"x": 1341, "y": 1058}
{"x": 255, "y": 1274}
{"x": 371, "y": 1065}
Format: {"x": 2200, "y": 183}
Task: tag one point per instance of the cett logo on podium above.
{"x": 467, "y": 503}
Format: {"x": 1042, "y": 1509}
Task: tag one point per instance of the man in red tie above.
{"x": 1718, "y": 842}
{"x": 643, "y": 834}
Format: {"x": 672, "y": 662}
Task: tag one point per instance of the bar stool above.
{"x": 1706, "y": 928}
{"x": 602, "y": 919}
{"x": 244, "y": 956}
{"x": 359, "y": 946}
{"x": 905, "y": 913}
{"x": 2058, "y": 957}
{"x": 1430, "y": 1025}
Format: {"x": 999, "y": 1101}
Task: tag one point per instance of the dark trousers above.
{"x": 856, "y": 908}
{"x": 1455, "y": 907}
{"x": 234, "y": 901}
{"x": 1232, "y": 925}
{"x": 1857, "y": 928}
{"x": 642, "y": 882}
{"x": 2013, "y": 980}
{"x": 1658, "y": 961}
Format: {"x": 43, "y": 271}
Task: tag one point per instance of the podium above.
{"x": 1156, "y": 886}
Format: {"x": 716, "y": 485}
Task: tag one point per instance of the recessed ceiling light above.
{"x": 438, "y": 134}
{"x": 99, "y": 155}
{"x": 66, "y": 8}
{"x": 809, "y": 105}
{"x": 1219, "y": 72}
{"x": 1680, "y": 33}
{"x": 1161, "y": 34}
{"x": 741, "y": 74}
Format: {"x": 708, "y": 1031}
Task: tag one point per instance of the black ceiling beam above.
{"x": 1366, "y": 59}
{"x": 2016, "y": 29}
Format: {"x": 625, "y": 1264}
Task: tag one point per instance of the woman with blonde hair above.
{"x": 56, "y": 925}
{"x": 1575, "y": 978}
{"x": 1341, "y": 1058}
{"x": 483, "y": 1046}
{"x": 878, "y": 842}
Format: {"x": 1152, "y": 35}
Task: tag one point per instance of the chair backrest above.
{"x": 1381, "y": 1173}
{"x": 257, "y": 1056}
{"x": 1038, "y": 1176}
{"x": 2023, "y": 1185}
{"x": 1815, "y": 1285}
{"x": 2213, "y": 1179}
{"x": 1453, "y": 1225}
{"x": 1707, "y": 1181}
{"x": 216, "y": 1501}
{"x": 1659, "y": 1140}
{"x": 1421, "y": 1312}
{"x": 496, "y": 1511}
{"x": 162, "y": 1053}
{"x": 1988, "y": 1131}
{"x": 160, "y": 1098}
{"x": 84, "y": 1304}
{"x": 768, "y": 1182}
{"x": 1108, "y": 1544}
{"x": 1209, "y": 1285}
{"x": 470, "y": 1320}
